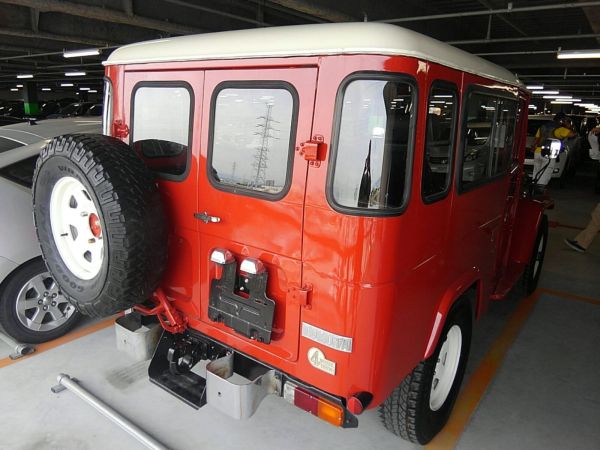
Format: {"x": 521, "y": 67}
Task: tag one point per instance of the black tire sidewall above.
{"x": 531, "y": 278}
{"x": 51, "y": 171}
{"x": 431, "y": 422}
{"x": 8, "y": 313}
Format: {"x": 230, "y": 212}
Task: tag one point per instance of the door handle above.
{"x": 204, "y": 217}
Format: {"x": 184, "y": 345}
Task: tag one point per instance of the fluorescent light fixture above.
{"x": 533, "y": 107}
{"x": 544, "y": 92}
{"x": 578, "y": 54}
{"x": 562, "y": 102}
{"x": 82, "y": 52}
{"x": 25, "y": 75}
{"x": 443, "y": 96}
{"x": 535, "y": 87}
{"x": 66, "y": 84}
{"x": 14, "y": 89}
{"x": 84, "y": 88}
{"x": 46, "y": 89}
{"x": 437, "y": 101}
{"x": 93, "y": 91}
{"x": 557, "y": 96}
{"x": 19, "y": 85}
{"x": 74, "y": 74}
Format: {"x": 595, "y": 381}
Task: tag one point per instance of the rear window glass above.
{"x": 252, "y": 139}
{"x": 372, "y": 146}
{"x": 161, "y": 127}
{"x": 8, "y": 144}
{"x": 20, "y": 172}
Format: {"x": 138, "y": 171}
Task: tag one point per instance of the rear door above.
{"x": 252, "y": 183}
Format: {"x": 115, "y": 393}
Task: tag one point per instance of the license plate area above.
{"x": 240, "y": 302}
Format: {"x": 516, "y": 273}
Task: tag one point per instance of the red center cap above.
{"x": 95, "y": 225}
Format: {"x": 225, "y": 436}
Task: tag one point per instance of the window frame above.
{"x": 440, "y": 83}
{"x": 254, "y": 84}
{"x": 335, "y": 134}
{"x": 168, "y": 84}
{"x": 107, "y": 104}
{"x": 491, "y": 92}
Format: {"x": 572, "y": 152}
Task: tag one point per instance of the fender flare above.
{"x": 453, "y": 293}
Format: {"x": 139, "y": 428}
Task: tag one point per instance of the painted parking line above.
{"x": 569, "y": 296}
{"x": 475, "y": 388}
{"x": 41, "y": 348}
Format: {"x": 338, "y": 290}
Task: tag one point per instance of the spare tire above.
{"x": 100, "y": 222}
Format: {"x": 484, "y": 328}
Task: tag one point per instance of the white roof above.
{"x": 309, "y": 40}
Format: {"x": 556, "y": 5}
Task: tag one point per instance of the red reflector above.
{"x": 306, "y": 401}
{"x": 355, "y": 406}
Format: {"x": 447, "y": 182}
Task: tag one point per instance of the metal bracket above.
{"x": 313, "y": 150}
{"x": 169, "y": 317}
{"x": 18, "y": 348}
{"x": 299, "y": 295}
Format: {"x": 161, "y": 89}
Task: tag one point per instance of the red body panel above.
{"x": 386, "y": 282}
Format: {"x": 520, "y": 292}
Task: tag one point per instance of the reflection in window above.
{"x": 441, "y": 116}
{"x": 161, "y": 127}
{"x": 476, "y": 154}
{"x": 373, "y": 144}
{"x": 504, "y": 136}
{"x": 252, "y": 133}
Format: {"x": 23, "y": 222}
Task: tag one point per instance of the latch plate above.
{"x": 299, "y": 295}
{"x": 313, "y": 150}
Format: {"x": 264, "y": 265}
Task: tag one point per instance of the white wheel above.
{"x": 445, "y": 368}
{"x": 76, "y": 228}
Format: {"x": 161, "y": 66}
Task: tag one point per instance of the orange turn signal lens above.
{"x": 331, "y": 413}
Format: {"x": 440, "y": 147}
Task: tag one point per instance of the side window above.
{"x": 373, "y": 144}
{"x": 504, "y": 136}
{"x": 162, "y": 118}
{"x": 480, "y": 119}
{"x": 439, "y": 141}
{"x": 252, "y": 138}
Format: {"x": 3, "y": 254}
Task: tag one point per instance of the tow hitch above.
{"x": 176, "y": 355}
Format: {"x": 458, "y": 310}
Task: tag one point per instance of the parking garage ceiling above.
{"x": 523, "y": 36}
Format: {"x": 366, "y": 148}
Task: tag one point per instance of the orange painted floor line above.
{"x": 476, "y": 386}
{"x": 41, "y": 348}
{"x": 569, "y": 296}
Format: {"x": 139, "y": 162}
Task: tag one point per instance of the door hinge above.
{"x": 120, "y": 129}
{"x": 299, "y": 295}
{"x": 313, "y": 150}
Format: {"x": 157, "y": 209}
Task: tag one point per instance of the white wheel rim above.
{"x": 445, "y": 368}
{"x": 80, "y": 245}
{"x": 538, "y": 256}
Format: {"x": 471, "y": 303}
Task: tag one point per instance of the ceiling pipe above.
{"x": 103, "y": 14}
{"x": 52, "y": 37}
{"x": 557, "y": 37}
{"x": 219, "y": 13}
{"x": 522, "y": 52}
{"x": 37, "y": 55}
{"x": 316, "y": 10}
{"x": 486, "y": 12}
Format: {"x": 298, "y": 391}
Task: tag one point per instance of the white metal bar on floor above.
{"x": 66, "y": 382}
{"x": 18, "y": 349}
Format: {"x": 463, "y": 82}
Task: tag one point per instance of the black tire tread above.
{"x": 529, "y": 282}
{"x": 132, "y": 210}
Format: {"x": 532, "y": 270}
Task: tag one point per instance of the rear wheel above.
{"x": 533, "y": 270}
{"x": 32, "y": 307}
{"x": 420, "y": 406}
{"x": 100, "y": 222}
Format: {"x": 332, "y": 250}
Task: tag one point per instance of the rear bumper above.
{"x": 234, "y": 383}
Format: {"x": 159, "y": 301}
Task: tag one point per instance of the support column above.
{"x": 30, "y": 99}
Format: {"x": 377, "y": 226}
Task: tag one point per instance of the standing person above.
{"x": 583, "y": 240}
{"x": 593, "y": 137}
{"x": 554, "y": 129}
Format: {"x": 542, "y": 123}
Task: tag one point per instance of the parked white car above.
{"x": 32, "y": 308}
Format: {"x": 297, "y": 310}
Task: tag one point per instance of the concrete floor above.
{"x": 545, "y": 394}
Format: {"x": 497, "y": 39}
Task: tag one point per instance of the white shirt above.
{"x": 594, "y": 146}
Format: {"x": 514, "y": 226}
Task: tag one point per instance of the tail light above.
{"x": 323, "y": 409}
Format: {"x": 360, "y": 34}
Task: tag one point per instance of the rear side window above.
{"x": 439, "y": 141}
{"x": 252, "y": 138}
{"x": 488, "y": 138}
{"x": 20, "y": 172}
{"x": 162, "y": 116}
{"x": 372, "y": 146}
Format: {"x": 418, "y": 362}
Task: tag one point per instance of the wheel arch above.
{"x": 467, "y": 287}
